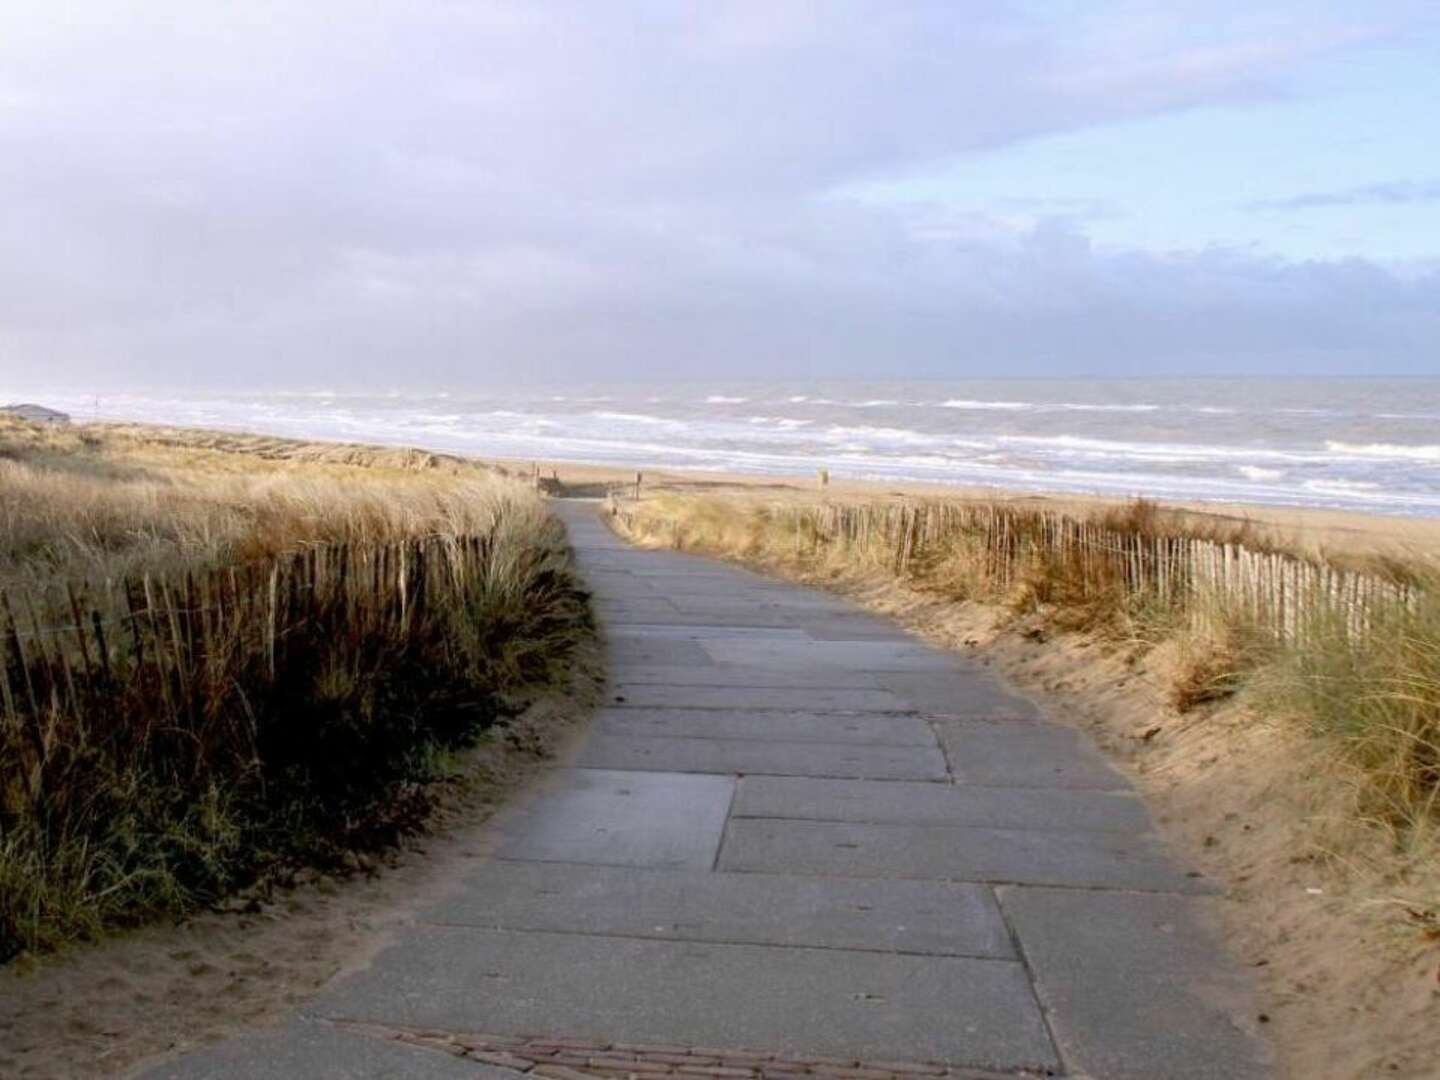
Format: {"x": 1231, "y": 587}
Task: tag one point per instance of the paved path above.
{"x": 796, "y": 839}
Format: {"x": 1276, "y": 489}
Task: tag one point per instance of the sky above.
{"x": 460, "y": 193}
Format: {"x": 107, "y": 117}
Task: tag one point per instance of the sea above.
{"x": 1366, "y": 444}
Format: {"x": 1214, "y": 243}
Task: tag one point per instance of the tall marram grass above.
{"x": 1378, "y": 699}
{"x": 215, "y": 664}
{"x": 97, "y": 502}
{"x": 1350, "y": 653}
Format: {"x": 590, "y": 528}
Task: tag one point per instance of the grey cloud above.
{"x": 464, "y": 191}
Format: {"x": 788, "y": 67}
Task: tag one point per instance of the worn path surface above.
{"x": 796, "y": 841}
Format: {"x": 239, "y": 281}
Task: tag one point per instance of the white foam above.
{"x": 1045, "y": 406}
{"x": 784, "y": 423}
{"x": 1255, "y": 472}
{"x": 1336, "y": 486}
{"x": 966, "y": 403}
{"x": 1079, "y": 446}
{"x": 884, "y": 434}
{"x": 635, "y": 418}
{"x": 1392, "y": 451}
{"x": 721, "y": 399}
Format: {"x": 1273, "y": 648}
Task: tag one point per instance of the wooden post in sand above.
{"x": 824, "y": 477}
{"x": 638, "y": 478}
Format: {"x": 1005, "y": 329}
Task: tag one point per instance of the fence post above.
{"x": 274, "y": 600}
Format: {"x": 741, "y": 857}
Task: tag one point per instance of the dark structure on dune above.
{"x": 36, "y": 414}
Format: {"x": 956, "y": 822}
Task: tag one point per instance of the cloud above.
{"x": 455, "y": 192}
{"x": 1394, "y": 193}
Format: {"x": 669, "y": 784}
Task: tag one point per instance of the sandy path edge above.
{"x": 108, "y": 1008}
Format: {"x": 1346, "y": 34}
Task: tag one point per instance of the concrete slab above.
{"x": 784, "y": 1000}
{"x": 731, "y": 675}
{"x": 617, "y": 818}
{"x": 843, "y": 628}
{"x": 583, "y": 540}
{"x": 718, "y": 584}
{"x": 725, "y": 598}
{"x": 620, "y": 651}
{"x": 918, "y": 917}
{"x": 874, "y": 656}
{"x": 693, "y": 632}
{"x": 672, "y": 615}
{"x": 742, "y": 756}
{"x": 610, "y": 613}
{"x": 863, "y": 728}
{"x": 1087, "y": 860}
{"x": 1025, "y": 755}
{"x": 741, "y": 609}
{"x": 899, "y": 803}
{"x": 967, "y": 692}
{"x": 1136, "y": 986}
{"x": 613, "y": 558}
{"x": 312, "y": 1048}
{"x": 784, "y": 699}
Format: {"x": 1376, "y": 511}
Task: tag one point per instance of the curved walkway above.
{"x": 797, "y": 841}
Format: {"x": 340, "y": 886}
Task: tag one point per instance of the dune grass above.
{"x": 300, "y": 640}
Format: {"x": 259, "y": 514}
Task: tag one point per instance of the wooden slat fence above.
{"x": 182, "y": 643}
{"x": 1281, "y": 594}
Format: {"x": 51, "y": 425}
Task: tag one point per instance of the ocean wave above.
{"x": 784, "y": 423}
{"x": 966, "y": 403}
{"x": 721, "y": 399}
{"x": 636, "y": 418}
{"x": 1392, "y": 451}
{"x": 1255, "y": 472}
{"x": 841, "y": 432}
{"x": 1077, "y": 445}
{"x": 1336, "y": 486}
{"x": 1045, "y": 406}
